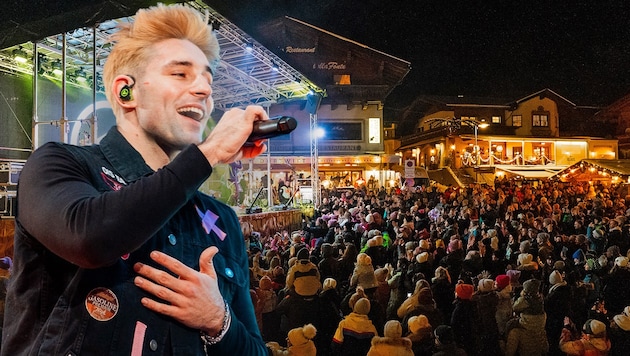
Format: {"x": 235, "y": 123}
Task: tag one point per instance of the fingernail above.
{"x": 138, "y": 281}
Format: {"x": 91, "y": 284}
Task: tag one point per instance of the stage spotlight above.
{"x": 56, "y": 68}
{"x": 275, "y": 67}
{"x": 249, "y": 46}
{"x": 80, "y": 75}
{"x": 20, "y": 55}
{"x": 215, "y": 25}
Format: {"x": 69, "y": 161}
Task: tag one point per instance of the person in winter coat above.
{"x": 620, "y": 335}
{"x": 445, "y": 342}
{"x": 330, "y": 315}
{"x": 557, "y": 306}
{"x": 363, "y": 274}
{"x": 328, "y": 266}
{"x": 303, "y": 277}
{"x": 421, "y": 335}
{"x": 504, "y": 306}
{"x": 465, "y": 319}
{"x": 268, "y": 300}
{"x": 411, "y": 301}
{"x": 354, "y": 333}
{"x": 591, "y": 342}
{"x": 487, "y": 300}
{"x": 526, "y": 334}
{"x": 425, "y": 306}
{"x": 616, "y": 291}
{"x": 392, "y": 343}
{"x": 383, "y": 290}
{"x": 398, "y": 292}
{"x": 443, "y": 292}
{"x": 299, "y": 343}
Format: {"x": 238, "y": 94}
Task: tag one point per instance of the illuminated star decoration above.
{"x": 209, "y": 223}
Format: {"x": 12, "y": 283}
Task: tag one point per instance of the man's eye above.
{"x": 183, "y": 75}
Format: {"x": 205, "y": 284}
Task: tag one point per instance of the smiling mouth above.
{"x": 191, "y": 112}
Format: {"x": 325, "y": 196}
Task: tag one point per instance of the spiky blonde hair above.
{"x": 133, "y": 42}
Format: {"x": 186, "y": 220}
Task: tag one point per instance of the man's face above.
{"x": 174, "y": 95}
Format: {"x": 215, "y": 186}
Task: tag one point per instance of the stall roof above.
{"x": 533, "y": 173}
{"x": 602, "y": 167}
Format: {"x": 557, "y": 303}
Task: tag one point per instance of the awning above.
{"x": 532, "y": 173}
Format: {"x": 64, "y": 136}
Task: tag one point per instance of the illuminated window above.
{"x": 374, "y": 130}
{"x": 540, "y": 118}
{"x": 517, "y": 120}
{"x": 496, "y": 119}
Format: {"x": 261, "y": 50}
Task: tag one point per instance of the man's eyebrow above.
{"x": 187, "y": 64}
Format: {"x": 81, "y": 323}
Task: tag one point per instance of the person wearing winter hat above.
{"x": 621, "y": 262}
{"x": 487, "y": 300}
{"x": 515, "y": 277}
{"x": 329, "y": 283}
{"x": 443, "y": 292}
{"x": 355, "y": 332}
{"x": 465, "y": 318}
{"x": 526, "y": 334}
{"x": 363, "y": 274}
{"x": 593, "y": 340}
{"x": 501, "y": 281}
{"x": 392, "y": 342}
{"x": 421, "y": 335}
{"x": 329, "y": 315}
{"x": 464, "y": 291}
{"x": 485, "y": 285}
{"x": 557, "y": 306}
{"x": 299, "y": 343}
{"x": 619, "y": 335}
{"x": 412, "y": 300}
{"x": 383, "y": 290}
{"x": 616, "y": 293}
{"x": 529, "y": 306}
{"x": 303, "y": 277}
{"x": 504, "y": 304}
{"x": 445, "y": 342}
{"x": 268, "y": 300}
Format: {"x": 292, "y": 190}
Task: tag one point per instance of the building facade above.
{"x": 531, "y": 137}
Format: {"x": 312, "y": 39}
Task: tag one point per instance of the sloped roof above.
{"x": 322, "y": 55}
{"x": 581, "y": 171}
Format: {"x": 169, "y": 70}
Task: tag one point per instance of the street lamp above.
{"x": 476, "y": 124}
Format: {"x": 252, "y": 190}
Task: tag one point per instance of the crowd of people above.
{"x": 518, "y": 268}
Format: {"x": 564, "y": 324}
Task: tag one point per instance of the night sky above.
{"x": 580, "y": 49}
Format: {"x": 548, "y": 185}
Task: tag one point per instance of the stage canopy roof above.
{"x": 245, "y": 76}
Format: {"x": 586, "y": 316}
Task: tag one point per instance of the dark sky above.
{"x": 580, "y": 49}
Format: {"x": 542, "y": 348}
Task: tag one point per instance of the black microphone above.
{"x": 276, "y": 126}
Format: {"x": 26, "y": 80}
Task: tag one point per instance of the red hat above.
{"x": 464, "y": 291}
{"x": 502, "y": 281}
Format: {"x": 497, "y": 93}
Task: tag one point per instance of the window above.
{"x": 540, "y": 120}
{"x": 496, "y": 119}
{"x": 517, "y": 120}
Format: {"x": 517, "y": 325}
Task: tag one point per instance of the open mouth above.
{"x": 191, "y": 112}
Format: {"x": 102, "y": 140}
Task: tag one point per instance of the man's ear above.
{"x": 122, "y": 91}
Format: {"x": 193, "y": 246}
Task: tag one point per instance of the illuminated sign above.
{"x": 374, "y": 130}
